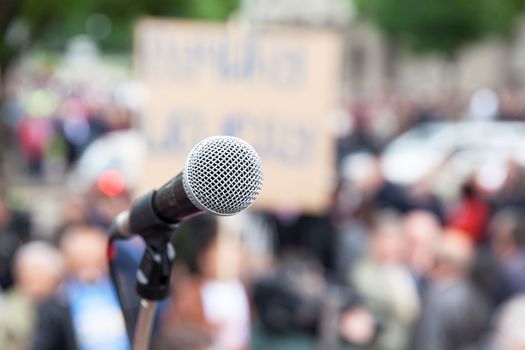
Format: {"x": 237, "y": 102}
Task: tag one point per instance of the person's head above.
{"x": 468, "y": 190}
{"x": 363, "y": 171}
{"x": 507, "y": 232}
{"x": 196, "y": 243}
{"x": 509, "y": 334}
{"x": 38, "y": 269}
{"x": 455, "y": 255}
{"x": 74, "y": 211}
{"x": 84, "y": 249}
{"x": 422, "y": 230}
{"x": 388, "y": 239}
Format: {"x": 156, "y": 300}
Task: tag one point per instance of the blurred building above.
{"x": 372, "y": 64}
{"x": 310, "y": 12}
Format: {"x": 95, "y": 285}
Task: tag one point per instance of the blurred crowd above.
{"x": 388, "y": 267}
{"x": 48, "y": 121}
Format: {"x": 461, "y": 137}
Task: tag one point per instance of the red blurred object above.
{"x": 111, "y": 252}
{"x": 471, "y": 216}
{"x": 111, "y": 183}
{"x": 33, "y": 134}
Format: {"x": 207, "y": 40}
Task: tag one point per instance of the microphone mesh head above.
{"x": 222, "y": 175}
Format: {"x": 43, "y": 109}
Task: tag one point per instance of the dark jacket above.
{"x": 54, "y": 329}
{"x": 455, "y": 317}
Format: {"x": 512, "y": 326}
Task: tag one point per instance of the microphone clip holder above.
{"x": 153, "y": 275}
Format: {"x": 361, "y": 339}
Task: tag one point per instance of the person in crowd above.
{"x": 422, "y": 230}
{"x": 104, "y": 201}
{"x": 80, "y": 123}
{"x": 204, "y": 300}
{"x": 15, "y": 230}
{"x": 472, "y": 214}
{"x": 455, "y": 314}
{"x": 512, "y": 192}
{"x": 297, "y": 307}
{"x": 34, "y": 134}
{"x": 384, "y": 281}
{"x": 38, "y": 270}
{"x": 84, "y": 313}
{"x": 314, "y": 234}
{"x": 507, "y": 244}
{"x": 421, "y": 196}
{"x": 508, "y": 333}
{"x": 499, "y": 269}
{"x": 375, "y": 192}
{"x": 363, "y": 192}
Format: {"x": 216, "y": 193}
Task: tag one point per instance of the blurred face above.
{"x": 421, "y": 255}
{"x": 85, "y": 254}
{"x": 454, "y": 254}
{"x": 357, "y": 326}
{"x": 502, "y": 242}
{"x": 503, "y": 229}
{"x": 389, "y": 245}
{"x": 422, "y": 232}
{"x": 37, "y": 280}
{"x": 372, "y": 181}
{"x": 74, "y": 211}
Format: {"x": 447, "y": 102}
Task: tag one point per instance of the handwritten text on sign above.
{"x": 274, "y": 87}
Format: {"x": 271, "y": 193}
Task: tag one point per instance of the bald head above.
{"x": 422, "y": 230}
{"x": 421, "y": 225}
{"x": 455, "y": 253}
{"x": 38, "y": 269}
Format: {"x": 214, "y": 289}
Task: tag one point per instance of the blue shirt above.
{"x": 97, "y": 318}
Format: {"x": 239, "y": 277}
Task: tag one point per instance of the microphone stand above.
{"x": 153, "y": 275}
{"x": 153, "y": 285}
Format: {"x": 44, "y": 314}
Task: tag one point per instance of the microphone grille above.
{"x": 222, "y": 175}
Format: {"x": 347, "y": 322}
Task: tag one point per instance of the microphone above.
{"x": 222, "y": 176}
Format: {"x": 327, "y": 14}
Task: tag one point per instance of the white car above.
{"x": 464, "y": 148}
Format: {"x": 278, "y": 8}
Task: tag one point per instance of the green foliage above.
{"x": 52, "y": 22}
{"x": 441, "y": 25}
{"x": 202, "y": 9}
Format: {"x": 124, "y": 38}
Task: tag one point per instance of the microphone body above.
{"x": 222, "y": 176}
{"x": 171, "y": 203}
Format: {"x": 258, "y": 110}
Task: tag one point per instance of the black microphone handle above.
{"x": 166, "y": 206}
{"x": 171, "y": 203}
